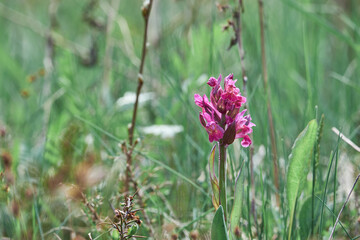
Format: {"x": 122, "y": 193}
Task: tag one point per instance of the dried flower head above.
{"x": 126, "y": 221}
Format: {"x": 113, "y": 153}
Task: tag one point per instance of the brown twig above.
{"x": 146, "y": 13}
{"x": 95, "y": 216}
{"x": 237, "y": 30}
{"x": 268, "y": 105}
{"x": 129, "y": 150}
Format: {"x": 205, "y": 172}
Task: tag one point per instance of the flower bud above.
{"x": 145, "y": 8}
{"x": 237, "y": 232}
{"x": 233, "y": 113}
{"x": 230, "y": 133}
{"x": 221, "y": 106}
{"x": 2, "y": 132}
{"x": 202, "y": 120}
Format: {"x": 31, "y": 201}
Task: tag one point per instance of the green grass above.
{"x": 313, "y": 53}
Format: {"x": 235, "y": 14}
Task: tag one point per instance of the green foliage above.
{"x": 72, "y": 134}
{"x": 218, "y": 226}
{"x": 213, "y": 179}
{"x": 306, "y": 220}
{"x": 301, "y": 154}
{"x": 133, "y": 230}
{"x": 237, "y": 205}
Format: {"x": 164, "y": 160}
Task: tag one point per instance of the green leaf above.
{"x": 132, "y": 230}
{"x": 115, "y": 235}
{"x": 299, "y": 158}
{"x": 305, "y": 220}
{"x": 213, "y": 179}
{"x": 236, "y": 210}
{"x": 218, "y": 227}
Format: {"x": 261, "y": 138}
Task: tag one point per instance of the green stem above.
{"x": 222, "y": 176}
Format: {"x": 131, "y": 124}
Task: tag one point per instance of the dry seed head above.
{"x": 194, "y": 235}
{"x": 25, "y": 93}
{"x": 6, "y": 159}
{"x": 15, "y": 208}
{"x": 145, "y": 8}
{"x": 2, "y": 132}
{"x": 237, "y": 232}
{"x": 221, "y": 7}
{"x": 31, "y": 78}
{"x": 41, "y": 72}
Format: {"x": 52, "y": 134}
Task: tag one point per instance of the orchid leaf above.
{"x": 213, "y": 179}
{"x": 218, "y": 226}
{"x": 299, "y": 158}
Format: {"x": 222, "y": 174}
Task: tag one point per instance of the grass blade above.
{"x": 347, "y": 199}
{"x": 326, "y": 184}
{"x": 238, "y": 199}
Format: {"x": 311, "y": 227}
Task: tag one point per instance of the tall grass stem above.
{"x": 268, "y": 104}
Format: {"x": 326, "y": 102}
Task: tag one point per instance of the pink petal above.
{"x": 212, "y": 82}
{"x": 219, "y": 79}
{"x": 198, "y": 100}
{"x": 246, "y": 141}
{"x": 215, "y": 131}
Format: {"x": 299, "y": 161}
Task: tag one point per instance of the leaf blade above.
{"x": 218, "y": 226}
{"x": 299, "y": 158}
{"x": 236, "y": 210}
{"x": 213, "y": 179}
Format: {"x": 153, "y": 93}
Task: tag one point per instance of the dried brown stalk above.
{"x": 268, "y": 105}
{"x": 146, "y": 13}
{"x": 129, "y": 150}
{"x": 95, "y": 217}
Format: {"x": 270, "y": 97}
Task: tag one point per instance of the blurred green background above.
{"x": 65, "y": 106}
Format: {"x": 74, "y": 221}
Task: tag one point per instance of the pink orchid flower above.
{"x": 221, "y": 116}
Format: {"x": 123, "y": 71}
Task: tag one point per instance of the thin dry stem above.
{"x": 345, "y": 139}
{"x": 342, "y": 208}
{"x": 140, "y": 76}
{"x": 133, "y": 121}
{"x": 268, "y": 105}
{"x": 95, "y": 216}
{"x": 237, "y": 30}
{"x": 129, "y": 178}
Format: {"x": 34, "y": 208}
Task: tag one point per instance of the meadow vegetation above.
{"x": 70, "y": 168}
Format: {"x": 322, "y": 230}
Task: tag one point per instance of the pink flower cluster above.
{"x": 221, "y": 116}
